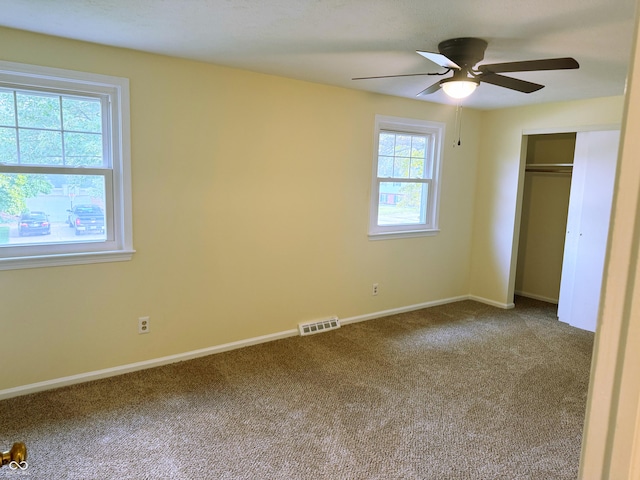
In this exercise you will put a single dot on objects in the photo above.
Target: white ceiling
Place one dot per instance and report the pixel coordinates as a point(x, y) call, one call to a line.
point(332, 41)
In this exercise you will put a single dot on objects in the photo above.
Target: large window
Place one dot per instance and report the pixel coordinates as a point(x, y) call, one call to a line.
point(406, 167)
point(65, 193)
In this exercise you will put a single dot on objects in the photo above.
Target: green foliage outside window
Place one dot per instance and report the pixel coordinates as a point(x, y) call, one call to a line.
point(16, 188)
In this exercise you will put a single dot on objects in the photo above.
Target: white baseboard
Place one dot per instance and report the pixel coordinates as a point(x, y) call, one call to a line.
point(132, 367)
point(157, 362)
point(537, 297)
point(506, 306)
point(395, 311)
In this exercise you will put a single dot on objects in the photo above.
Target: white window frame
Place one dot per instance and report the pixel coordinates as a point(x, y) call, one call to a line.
point(435, 133)
point(119, 242)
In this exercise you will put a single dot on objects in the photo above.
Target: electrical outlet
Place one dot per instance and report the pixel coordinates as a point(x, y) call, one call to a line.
point(143, 325)
point(374, 289)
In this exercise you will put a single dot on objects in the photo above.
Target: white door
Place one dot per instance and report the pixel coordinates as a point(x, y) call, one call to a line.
point(590, 201)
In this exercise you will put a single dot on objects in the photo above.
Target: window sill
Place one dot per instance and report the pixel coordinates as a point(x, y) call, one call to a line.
point(65, 259)
point(406, 234)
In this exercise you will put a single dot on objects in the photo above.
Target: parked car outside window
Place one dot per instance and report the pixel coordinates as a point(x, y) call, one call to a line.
point(86, 219)
point(32, 223)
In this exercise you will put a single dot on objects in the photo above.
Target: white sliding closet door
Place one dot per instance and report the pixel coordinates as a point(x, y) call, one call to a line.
point(590, 201)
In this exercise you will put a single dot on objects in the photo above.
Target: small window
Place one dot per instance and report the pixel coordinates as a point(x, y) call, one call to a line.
point(406, 169)
point(65, 194)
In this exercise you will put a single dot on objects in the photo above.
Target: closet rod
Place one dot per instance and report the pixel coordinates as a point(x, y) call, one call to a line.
point(549, 167)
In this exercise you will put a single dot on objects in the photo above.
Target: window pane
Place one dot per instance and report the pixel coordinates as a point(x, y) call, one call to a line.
point(417, 168)
point(36, 209)
point(40, 147)
point(403, 145)
point(401, 167)
point(82, 115)
point(7, 110)
point(386, 144)
point(403, 204)
point(419, 147)
point(385, 167)
point(8, 145)
point(38, 111)
point(83, 149)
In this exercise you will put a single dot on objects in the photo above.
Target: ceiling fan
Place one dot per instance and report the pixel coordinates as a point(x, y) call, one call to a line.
point(461, 55)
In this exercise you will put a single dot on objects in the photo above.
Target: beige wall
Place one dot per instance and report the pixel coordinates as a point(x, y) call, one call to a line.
point(542, 233)
point(250, 211)
point(500, 183)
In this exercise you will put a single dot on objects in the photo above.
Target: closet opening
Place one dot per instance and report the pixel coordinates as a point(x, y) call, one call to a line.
point(567, 193)
point(545, 205)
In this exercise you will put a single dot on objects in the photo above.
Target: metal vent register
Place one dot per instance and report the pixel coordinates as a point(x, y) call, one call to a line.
point(316, 327)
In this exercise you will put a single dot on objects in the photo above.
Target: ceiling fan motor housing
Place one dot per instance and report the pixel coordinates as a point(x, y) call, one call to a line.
point(465, 52)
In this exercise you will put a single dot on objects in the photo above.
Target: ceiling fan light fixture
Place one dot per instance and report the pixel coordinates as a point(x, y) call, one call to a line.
point(457, 88)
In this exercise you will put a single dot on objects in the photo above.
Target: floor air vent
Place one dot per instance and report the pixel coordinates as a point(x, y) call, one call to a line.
point(317, 327)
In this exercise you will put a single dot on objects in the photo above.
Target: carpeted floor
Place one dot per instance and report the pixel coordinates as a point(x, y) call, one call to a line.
point(460, 391)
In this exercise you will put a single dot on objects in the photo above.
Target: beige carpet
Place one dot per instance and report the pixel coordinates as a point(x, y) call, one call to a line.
point(462, 391)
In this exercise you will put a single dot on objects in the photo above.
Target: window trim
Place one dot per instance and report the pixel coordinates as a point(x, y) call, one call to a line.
point(436, 131)
point(120, 247)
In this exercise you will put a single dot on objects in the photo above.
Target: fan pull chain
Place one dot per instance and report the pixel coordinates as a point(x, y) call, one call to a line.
point(458, 125)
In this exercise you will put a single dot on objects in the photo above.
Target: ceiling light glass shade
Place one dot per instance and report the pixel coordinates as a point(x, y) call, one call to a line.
point(459, 88)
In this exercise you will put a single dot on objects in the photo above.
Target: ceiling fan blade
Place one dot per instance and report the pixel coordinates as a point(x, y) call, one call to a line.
point(439, 59)
point(432, 89)
point(393, 76)
point(566, 63)
point(509, 82)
